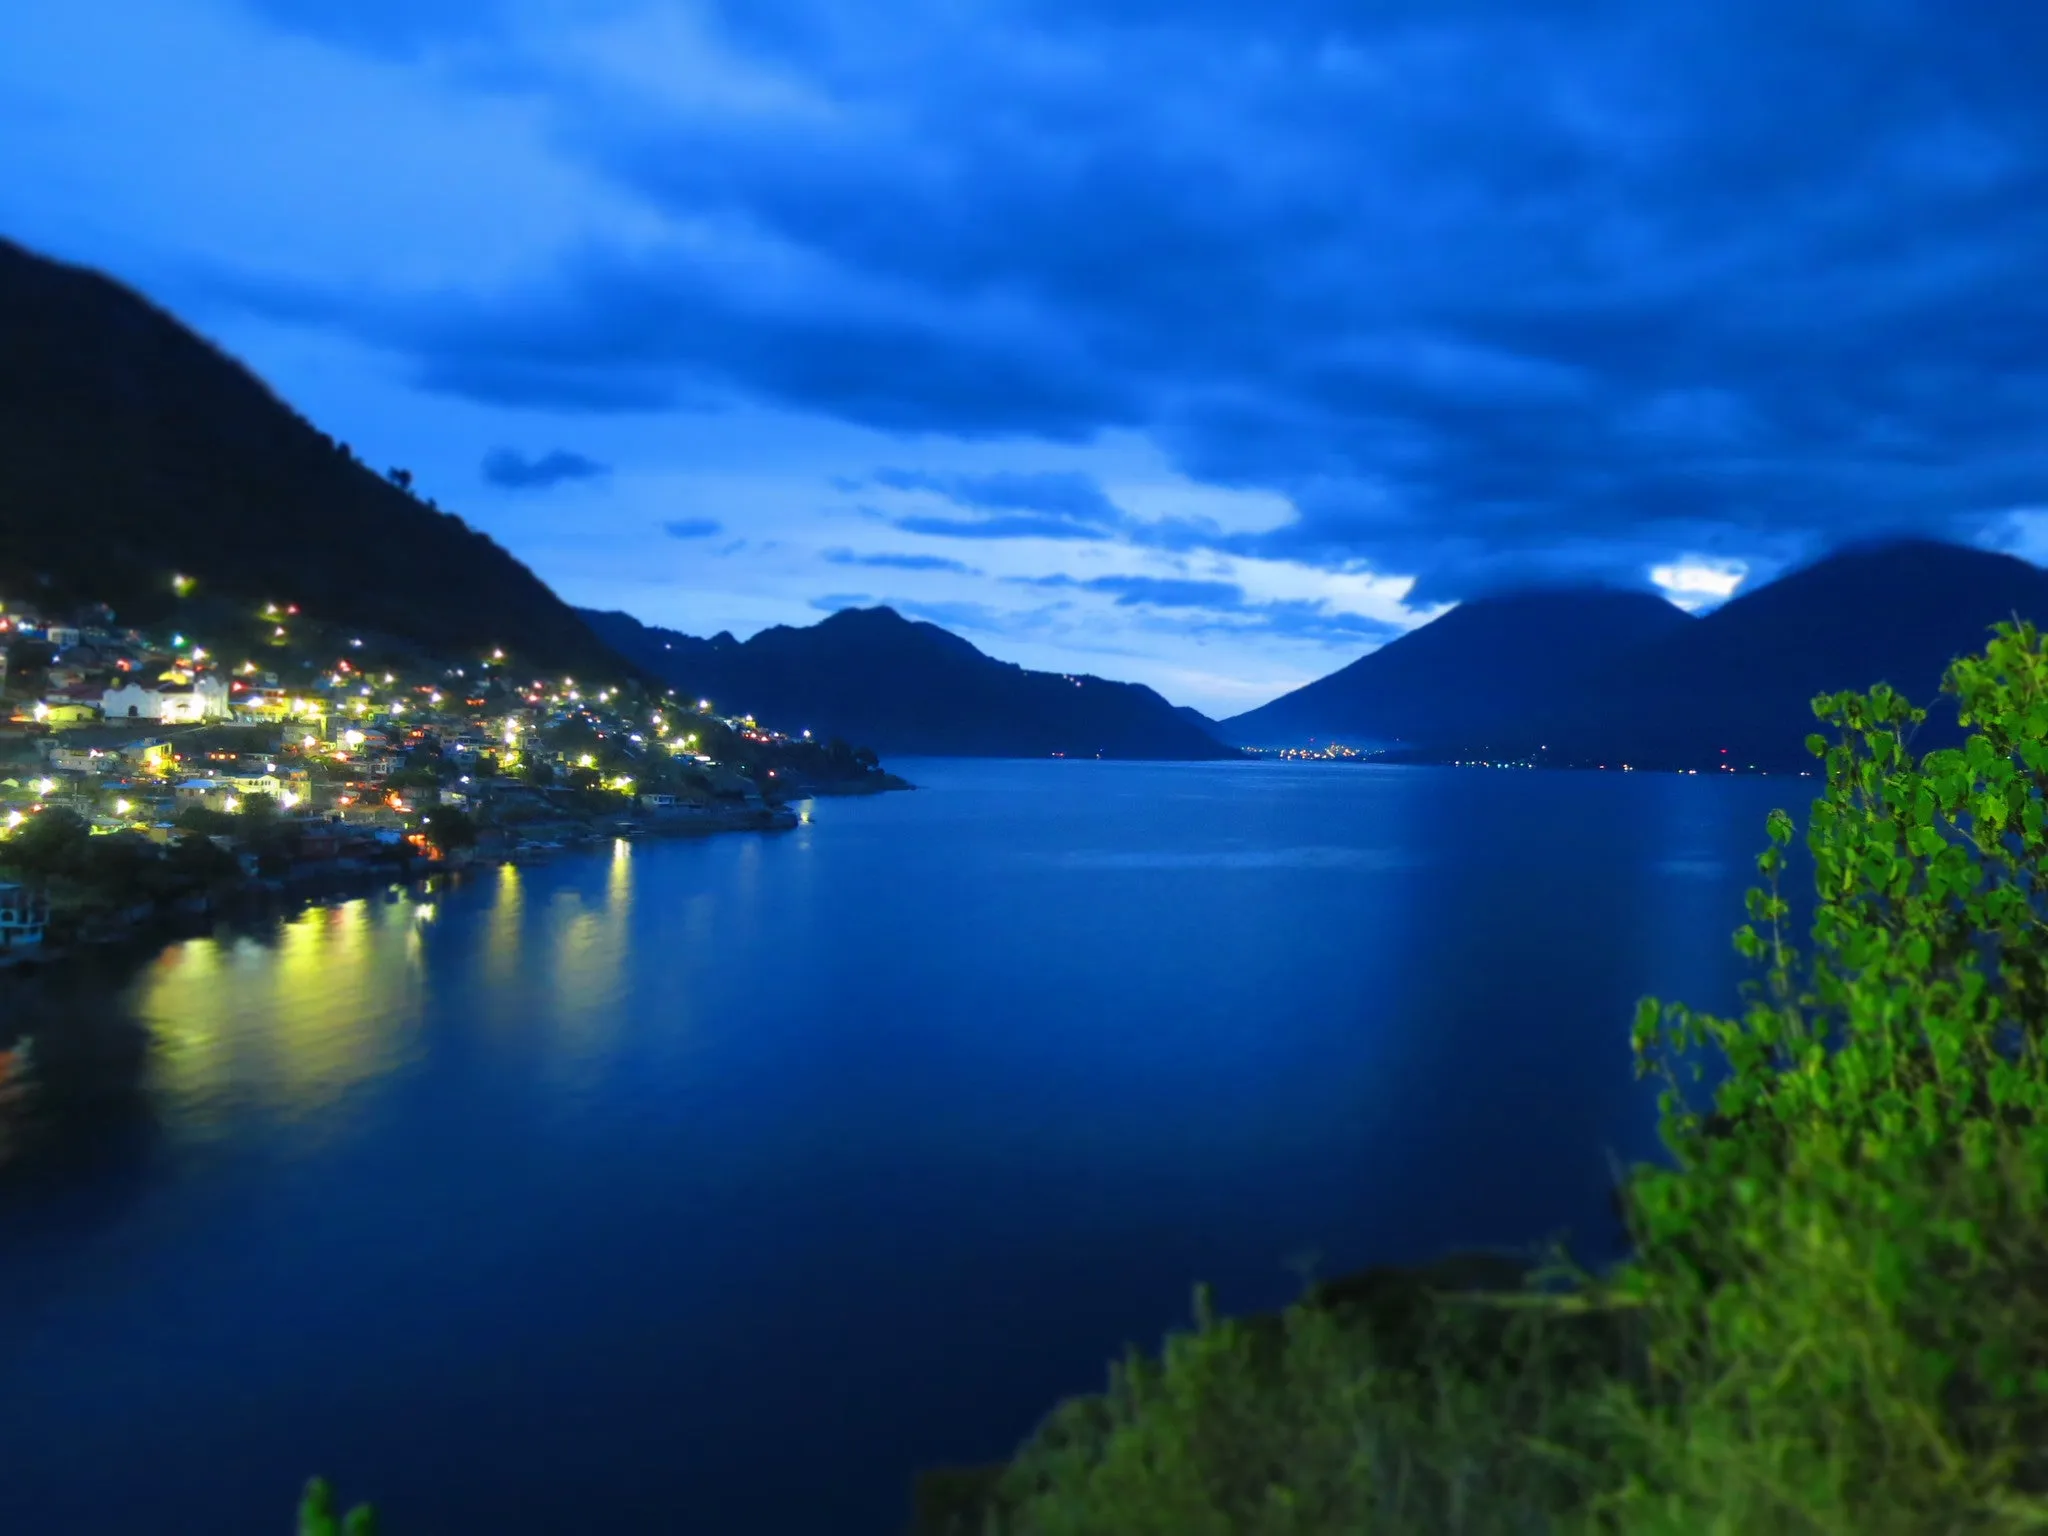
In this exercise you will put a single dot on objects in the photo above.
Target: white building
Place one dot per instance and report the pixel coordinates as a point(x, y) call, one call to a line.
point(204, 698)
point(23, 915)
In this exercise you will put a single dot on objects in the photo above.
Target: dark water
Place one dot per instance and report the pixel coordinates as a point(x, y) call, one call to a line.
point(713, 1187)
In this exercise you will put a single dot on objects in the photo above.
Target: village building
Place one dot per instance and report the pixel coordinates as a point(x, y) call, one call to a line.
point(204, 698)
point(23, 917)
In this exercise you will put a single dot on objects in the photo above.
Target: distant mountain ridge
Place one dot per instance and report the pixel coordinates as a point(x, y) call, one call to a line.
point(909, 688)
point(1596, 678)
point(1738, 685)
point(1460, 676)
point(132, 450)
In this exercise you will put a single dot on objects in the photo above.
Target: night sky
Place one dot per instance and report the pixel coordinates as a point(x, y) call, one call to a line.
point(1205, 343)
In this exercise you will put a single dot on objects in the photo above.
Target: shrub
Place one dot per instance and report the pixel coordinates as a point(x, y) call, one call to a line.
point(1835, 1318)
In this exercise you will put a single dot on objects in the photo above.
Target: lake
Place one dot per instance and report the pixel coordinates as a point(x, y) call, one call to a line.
point(716, 1186)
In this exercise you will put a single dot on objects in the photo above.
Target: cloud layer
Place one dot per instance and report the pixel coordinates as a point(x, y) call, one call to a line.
point(514, 471)
point(1474, 291)
point(1479, 286)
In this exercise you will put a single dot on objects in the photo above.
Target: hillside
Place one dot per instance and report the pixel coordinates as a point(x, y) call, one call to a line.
point(1737, 686)
point(131, 450)
point(909, 688)
point(1460, 677)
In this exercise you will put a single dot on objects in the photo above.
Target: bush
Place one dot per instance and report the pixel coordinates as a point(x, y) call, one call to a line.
point(1835, 1318)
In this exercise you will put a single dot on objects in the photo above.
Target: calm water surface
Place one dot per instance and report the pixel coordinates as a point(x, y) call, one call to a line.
point(715, 1186)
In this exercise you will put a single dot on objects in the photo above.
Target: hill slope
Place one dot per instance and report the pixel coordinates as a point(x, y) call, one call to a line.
point(131, 449)
point(902, 687)
point(1743, 678)
point(1459, 677)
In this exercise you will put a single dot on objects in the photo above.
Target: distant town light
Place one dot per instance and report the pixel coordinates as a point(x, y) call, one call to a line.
point(233, 804)
point(122, 807)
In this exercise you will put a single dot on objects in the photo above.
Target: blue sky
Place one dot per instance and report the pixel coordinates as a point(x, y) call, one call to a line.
point(1192, 341)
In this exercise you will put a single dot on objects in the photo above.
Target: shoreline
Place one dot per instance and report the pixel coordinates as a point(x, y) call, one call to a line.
point(138, 931)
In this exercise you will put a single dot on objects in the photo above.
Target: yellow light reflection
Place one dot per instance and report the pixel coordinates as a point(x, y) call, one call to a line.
point(288, 1028)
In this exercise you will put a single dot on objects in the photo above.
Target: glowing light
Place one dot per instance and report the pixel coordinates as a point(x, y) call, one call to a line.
point(586, 761)
point(703, 706)
point(352, 738)
point(309, 742)
point(233, 804)
point(44, 786)
point(181, 585)
point(122, 807)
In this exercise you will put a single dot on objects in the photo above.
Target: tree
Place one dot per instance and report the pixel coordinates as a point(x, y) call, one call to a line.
point(206, 821)
point(402, 478)
point(1867, 1195)
point(448, 827)
point(48, 843)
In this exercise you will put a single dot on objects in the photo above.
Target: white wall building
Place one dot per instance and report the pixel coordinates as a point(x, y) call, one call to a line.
point(204, 698)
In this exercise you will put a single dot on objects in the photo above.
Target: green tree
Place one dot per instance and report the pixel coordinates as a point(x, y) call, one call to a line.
point(448, 827)
point(47, 844)
point(317, 1515)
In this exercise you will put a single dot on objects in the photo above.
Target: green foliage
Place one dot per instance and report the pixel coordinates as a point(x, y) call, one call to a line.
point(317, 1516)
point(449, 827)
point(1835, 1319)
point(47, 844)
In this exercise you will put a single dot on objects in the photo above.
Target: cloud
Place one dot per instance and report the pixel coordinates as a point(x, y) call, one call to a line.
point(692, 527)
point(1478, 295)
point(1023, 525)
point(1221, 607)
point(898, 562)
point(832, 602)
point(508, 468)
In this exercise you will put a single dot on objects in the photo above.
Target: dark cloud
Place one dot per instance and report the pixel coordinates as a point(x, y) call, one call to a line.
point(693, 527)
point(1221, 607)
point(1482, 287)
point(897, 562)
point(1022, 525)
point(509, 468)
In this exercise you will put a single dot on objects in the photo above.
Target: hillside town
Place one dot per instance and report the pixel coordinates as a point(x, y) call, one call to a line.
point(144, 771)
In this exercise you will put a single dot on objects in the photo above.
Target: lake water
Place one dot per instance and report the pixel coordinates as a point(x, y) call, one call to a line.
point(713, 1187)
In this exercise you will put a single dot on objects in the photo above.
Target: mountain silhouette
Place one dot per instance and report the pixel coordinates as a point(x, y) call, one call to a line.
point(1462, 677)
point(1738, 685)
point(132, 451)
point(909, 688)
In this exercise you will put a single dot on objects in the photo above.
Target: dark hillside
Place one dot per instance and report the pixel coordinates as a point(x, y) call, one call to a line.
point(131, 450)
point(910, 688)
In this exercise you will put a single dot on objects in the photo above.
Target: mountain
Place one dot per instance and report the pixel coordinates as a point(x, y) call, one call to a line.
point(131, 450)
point(1459, 677)
point(1737, 686)
point(909, 688)
point(1199, 721)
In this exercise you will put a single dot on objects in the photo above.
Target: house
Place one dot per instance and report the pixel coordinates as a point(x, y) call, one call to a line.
point(61, 635)
point(23, 916)
point(97, 748)
point(659, 802)
point(58, 711)
point(204, 698)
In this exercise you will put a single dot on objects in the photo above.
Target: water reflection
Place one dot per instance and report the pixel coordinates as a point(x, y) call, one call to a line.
point(282, 1023)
